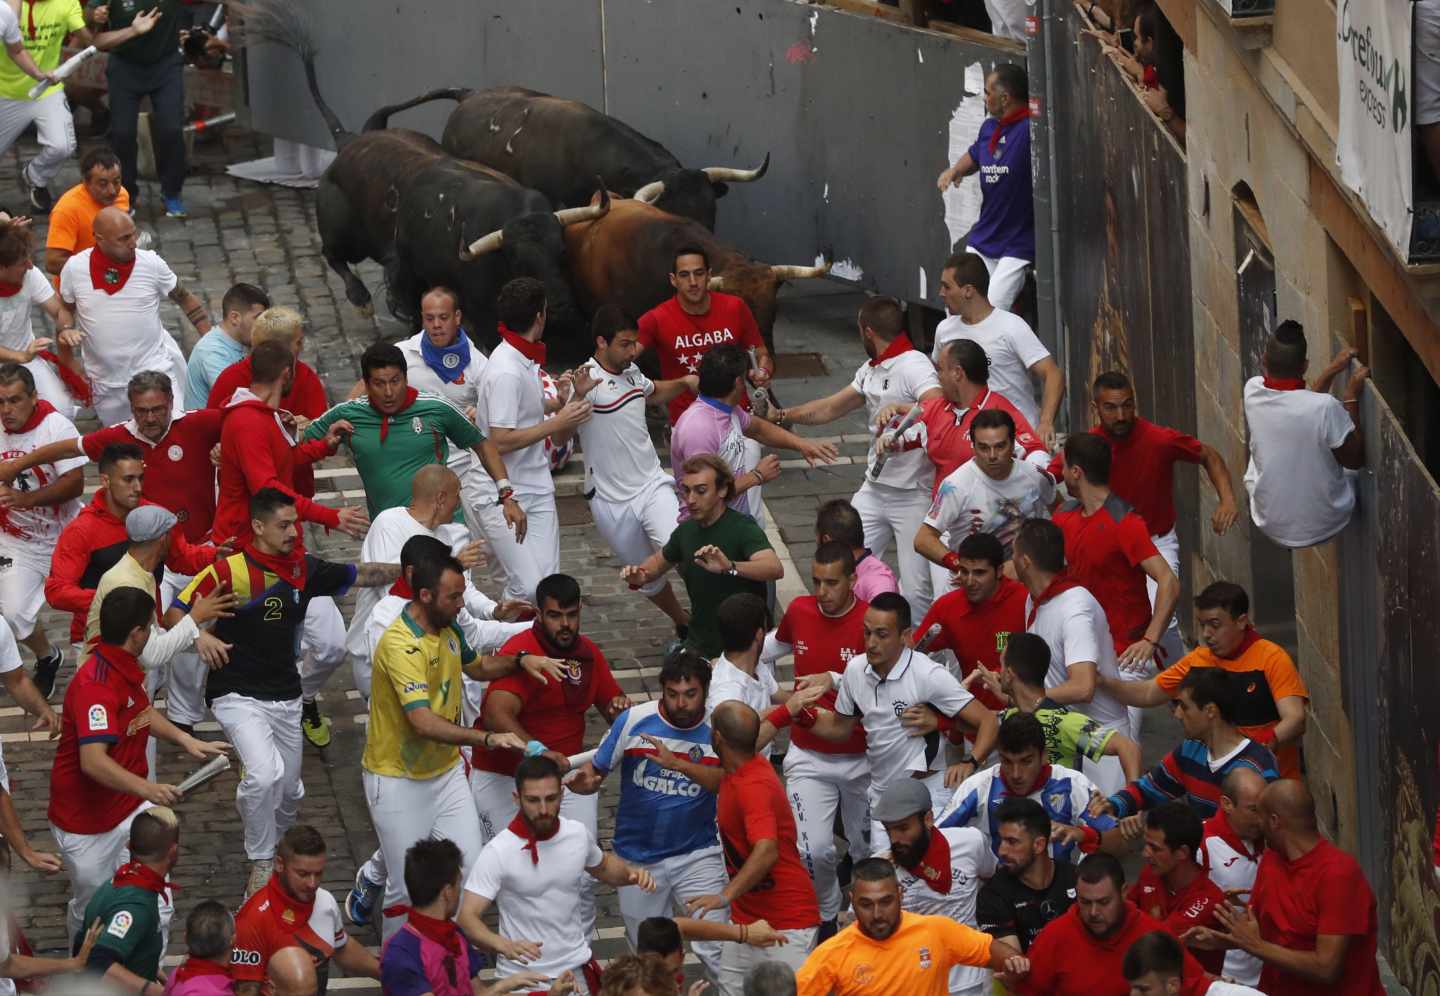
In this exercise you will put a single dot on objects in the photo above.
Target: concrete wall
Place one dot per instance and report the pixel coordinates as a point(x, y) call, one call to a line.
point(856, 112)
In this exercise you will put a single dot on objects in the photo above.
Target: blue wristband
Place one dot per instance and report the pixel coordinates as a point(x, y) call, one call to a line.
point(534, 749)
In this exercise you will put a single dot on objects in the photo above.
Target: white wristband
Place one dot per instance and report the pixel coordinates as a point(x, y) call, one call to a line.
point(503, 484)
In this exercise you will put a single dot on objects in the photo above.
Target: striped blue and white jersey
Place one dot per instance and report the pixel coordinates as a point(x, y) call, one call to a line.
point(620, 460)
point(1064, 793)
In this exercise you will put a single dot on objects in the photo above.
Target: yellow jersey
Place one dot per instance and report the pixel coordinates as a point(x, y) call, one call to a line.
point(915, 960)
point(414, 669)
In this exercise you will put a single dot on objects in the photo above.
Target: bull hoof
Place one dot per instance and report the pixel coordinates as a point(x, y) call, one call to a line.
point(366, 310)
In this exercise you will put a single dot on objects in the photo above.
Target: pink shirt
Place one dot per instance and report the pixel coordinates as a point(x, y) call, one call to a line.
point(710, 426)
point(873, 577)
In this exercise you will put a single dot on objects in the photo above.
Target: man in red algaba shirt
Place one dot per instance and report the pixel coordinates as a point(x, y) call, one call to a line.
point(99, 778)
point(1173, 888)
point(686, 327)
point(752, 811)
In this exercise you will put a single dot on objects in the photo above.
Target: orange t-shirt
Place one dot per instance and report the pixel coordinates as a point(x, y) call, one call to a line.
point(72, 219)
point(915, 960)
point(1264, 674)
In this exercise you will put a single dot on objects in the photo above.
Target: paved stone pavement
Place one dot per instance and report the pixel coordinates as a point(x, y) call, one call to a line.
point(239, 231)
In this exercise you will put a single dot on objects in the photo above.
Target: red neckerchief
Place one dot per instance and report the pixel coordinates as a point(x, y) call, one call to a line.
point(410, 395)
point(10, 290)
point(1150, 78)
point(1284, 383)
point(194, 967)
point(1246, 642)
point(900, 344)
point(77, 386)
point(442, 932)
point(140, 876)
point(291, 914)
point(121, 659)
point(1061, 582)
point(31, 21)
point(1019, 114)
point(288, 567)
point(520, 827)
point(533, 351)
point(1041, 780)
point(106, 274)
point(402, 588)
point(579, 677)
point(934, 866)
point(42, 408)
point(1219, 826)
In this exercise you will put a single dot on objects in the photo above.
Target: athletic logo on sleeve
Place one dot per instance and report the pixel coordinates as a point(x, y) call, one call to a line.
point(98, 718)
point(924, 958)
point(120, 923)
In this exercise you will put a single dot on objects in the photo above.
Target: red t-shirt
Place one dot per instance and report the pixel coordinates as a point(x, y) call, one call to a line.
point(1104, 552)
point(823, 643)
point(553, 713)
point(947, 432)
point(1324, 892)
point(178, 472)
point(752, 807)
point(977, 633)
point(104, 703)
point(1193, 906)
point(1067, 960)
point(682, 339)
point(307, 398)
point(271, 920)
point(1142, 469)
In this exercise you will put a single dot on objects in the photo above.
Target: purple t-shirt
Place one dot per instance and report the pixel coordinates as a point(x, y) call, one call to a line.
point(1006, 226)
point(411, 965)
point(711, 426)
point(873, 577)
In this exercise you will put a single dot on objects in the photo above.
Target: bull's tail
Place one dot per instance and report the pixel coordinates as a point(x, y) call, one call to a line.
point(287, 23)
point(381, 118)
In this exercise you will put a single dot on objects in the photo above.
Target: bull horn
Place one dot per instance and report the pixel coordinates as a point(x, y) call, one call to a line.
point(482, 245)
point(651, 192)
point(799, 272)
point(571, 216)
point(727, 174)
point(717, 283)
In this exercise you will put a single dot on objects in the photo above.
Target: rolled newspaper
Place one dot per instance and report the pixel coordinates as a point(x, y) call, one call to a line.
point(65, 69)
point(577, 761)
point(881, 455)
point(212, 768)
point(923, 644)
point(761, 400)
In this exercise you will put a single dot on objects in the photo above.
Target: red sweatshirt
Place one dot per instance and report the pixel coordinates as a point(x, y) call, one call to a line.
point(94, 542)
point(307, 399)
point(1067, 960)
point(255, 453)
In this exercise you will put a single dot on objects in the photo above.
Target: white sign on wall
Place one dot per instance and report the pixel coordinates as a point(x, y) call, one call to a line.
point(1373, 52)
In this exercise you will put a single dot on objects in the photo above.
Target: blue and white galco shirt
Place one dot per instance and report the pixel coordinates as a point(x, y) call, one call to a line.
point(1064, 794)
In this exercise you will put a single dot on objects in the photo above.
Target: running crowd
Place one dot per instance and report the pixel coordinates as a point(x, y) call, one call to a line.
point(962, 772)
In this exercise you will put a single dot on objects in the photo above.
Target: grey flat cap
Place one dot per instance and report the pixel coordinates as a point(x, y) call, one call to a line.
point(905, 797)
point(149, 522)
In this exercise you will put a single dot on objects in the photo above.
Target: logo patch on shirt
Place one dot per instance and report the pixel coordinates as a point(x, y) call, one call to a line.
point(697, 753)
point(417, 425)
point(451, 361)
point(175, 453)
point(98, 718)
point(120, 924)
point(244, 956)
point(454, 647)
point(924, 958)
point(412, 687)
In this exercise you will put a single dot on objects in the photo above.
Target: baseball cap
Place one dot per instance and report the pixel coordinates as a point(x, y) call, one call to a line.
point(149, 522)
point(905, 797)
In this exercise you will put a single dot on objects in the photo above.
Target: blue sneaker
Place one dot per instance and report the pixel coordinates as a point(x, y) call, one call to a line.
point(360, 903)
point(175, 208)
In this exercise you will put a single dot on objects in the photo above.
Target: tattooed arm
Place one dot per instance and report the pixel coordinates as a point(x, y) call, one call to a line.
point(193, 307)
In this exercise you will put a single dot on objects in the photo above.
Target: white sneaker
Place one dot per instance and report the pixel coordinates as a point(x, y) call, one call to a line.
point(260, 872)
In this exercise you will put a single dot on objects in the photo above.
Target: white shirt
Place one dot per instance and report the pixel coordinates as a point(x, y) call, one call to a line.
point(1299, 494)
point(1010, 346)
point(620, 460)
point(971, 862)
point(893, 753)
point(16, 331)
point(1007, 18)
point(39, 527)
point(1073, 624)
point(900, 380)
point(9, 661)
point(1232, 868)
point(970, 501)
point(123, 331)
point(511, 398)
point(464, 393)
point(538, 900)
point(729, 683)
point(10, 32)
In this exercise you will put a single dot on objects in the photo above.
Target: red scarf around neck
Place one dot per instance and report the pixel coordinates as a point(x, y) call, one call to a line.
point(289, 912)
point(934, 866)
point(1061, 582)
point(9, 289)
point(442, 932)
point(288, 567)
point(1219, 826)
point(106, 274)
point(30, 21)
point(1246, 642)
point(1284, 383)
point(42, 408)
point(533, 351)
point(195, 967)
point(900, 344)
point(1041, 780)
point(521, 828)
point(140, 876)
point(410, 395)
point(1019, 114)
point(402, 588)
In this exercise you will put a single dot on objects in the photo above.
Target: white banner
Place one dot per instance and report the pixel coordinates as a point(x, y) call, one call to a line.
point(1373, 52)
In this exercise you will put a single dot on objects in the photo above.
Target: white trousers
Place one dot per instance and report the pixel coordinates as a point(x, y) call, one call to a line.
point(184, 676)
point(91, 860)
point(526, 564)
point(322, 645)
point(819, 785)
point(54, 127)
point(637, 528)
point(1172, 647)
point(267, 737)
point(739, 959)
point(1007, 276)
point(678, 878)
point(111, 402)
point(405, 810)
point(893, 514)
point(23, 569)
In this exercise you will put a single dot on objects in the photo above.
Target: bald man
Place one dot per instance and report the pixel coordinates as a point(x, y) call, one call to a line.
point(1311, 918)
point(291, 972)
point(1230, 850)
point(114, 290)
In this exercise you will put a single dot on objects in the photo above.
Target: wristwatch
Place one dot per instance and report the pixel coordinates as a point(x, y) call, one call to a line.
point(734, 570)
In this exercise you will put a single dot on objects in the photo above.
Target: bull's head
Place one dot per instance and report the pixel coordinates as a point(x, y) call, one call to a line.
point(494, 241)
point(691, 193)
point(759, 285)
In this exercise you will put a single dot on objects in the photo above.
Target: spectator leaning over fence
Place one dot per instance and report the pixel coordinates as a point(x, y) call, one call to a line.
point(1004, 234)
point(73, 219)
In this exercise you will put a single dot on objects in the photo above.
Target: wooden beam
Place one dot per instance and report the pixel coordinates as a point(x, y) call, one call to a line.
point(880, 10)
point(1181, 15)
point(979, 37)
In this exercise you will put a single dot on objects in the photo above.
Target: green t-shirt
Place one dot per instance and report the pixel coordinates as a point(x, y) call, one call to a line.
point(415, 437)
point(132, 927)
point(51, 20)
point(1069, 735)
point(160, 43)
point(740, 538)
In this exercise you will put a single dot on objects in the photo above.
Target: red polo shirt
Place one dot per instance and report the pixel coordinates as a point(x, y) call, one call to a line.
point(977, 633)
point(1104, 552)
point(1323, 892)
point(178, 472)
point(824, 643)
point(104, 703)
point(1142, 469)
point(752, 807)
point(1193, 906)
point(947, 432)
point(1067, 960)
